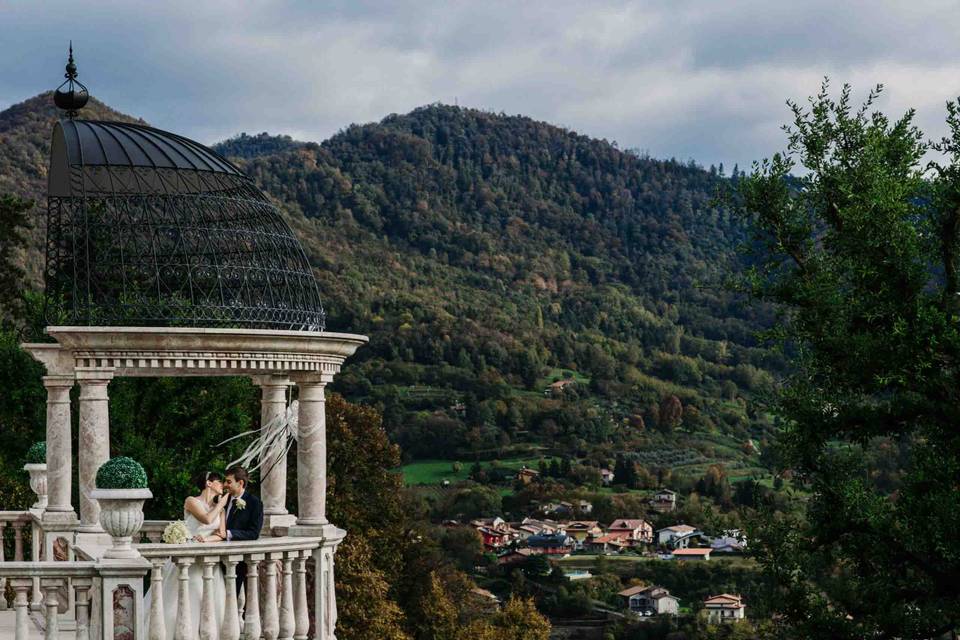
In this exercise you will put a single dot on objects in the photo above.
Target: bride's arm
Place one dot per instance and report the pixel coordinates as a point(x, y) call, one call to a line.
point(196, 508)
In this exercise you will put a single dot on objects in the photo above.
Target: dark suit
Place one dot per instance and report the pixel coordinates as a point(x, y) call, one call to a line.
point(244, 524)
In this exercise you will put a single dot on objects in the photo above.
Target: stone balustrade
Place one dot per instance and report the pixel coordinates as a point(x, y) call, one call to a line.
point(53, 577)
point(275, 603)
point(21, 531)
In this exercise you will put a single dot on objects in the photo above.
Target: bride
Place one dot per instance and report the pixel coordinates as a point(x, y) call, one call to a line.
point(203, 516)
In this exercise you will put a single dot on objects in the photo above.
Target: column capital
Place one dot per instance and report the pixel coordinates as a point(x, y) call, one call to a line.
point(272, 380)
point(58, 381)
point(311, 379)
point(56, 359)
point(90, 375)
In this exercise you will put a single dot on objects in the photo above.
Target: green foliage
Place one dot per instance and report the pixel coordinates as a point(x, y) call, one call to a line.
point(859, 252)
point(121, 473)
point(14, 225)
point(37, 453)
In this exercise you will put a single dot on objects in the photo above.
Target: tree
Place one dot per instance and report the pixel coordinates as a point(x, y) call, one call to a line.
point(13, 227)
point(358, 580)
point(436, 615)
point(857, 243)
point(518, 620)
point(671, 411)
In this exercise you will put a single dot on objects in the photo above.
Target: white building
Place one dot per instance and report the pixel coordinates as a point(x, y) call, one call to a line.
point(725, 608)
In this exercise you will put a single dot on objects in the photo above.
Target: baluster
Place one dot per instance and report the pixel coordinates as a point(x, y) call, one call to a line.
point(158, 623)
point(17, 542)
point(271, 620)
point(21, 587)
point(287, 620)
point(3, 581)
point(230, 628)
point(301, 612)
point(208, 620)
point(50, 587)
point(185, 629)
point(36, 543)
point(251, 612)
point(82, 587)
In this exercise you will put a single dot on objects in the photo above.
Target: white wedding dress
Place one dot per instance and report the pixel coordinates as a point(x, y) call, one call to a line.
point(171, 585)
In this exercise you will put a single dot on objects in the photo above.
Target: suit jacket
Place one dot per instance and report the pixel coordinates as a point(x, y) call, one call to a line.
point(246, 523)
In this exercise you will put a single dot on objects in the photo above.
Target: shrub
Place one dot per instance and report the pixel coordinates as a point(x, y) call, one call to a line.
point(37, 453)
point(121, 473)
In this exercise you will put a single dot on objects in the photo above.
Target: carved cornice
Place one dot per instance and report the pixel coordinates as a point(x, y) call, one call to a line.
point(149, 351)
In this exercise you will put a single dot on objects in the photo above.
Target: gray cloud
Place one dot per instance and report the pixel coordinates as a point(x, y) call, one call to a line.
point(683, 78)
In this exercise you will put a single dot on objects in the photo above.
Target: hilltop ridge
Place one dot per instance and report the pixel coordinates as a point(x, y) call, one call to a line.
point(486, 255)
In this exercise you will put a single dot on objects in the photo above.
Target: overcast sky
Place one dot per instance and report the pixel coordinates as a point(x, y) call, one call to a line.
point(704, 80)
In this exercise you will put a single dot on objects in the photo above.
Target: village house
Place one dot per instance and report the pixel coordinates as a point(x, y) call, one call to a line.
point(580, 530)
point(496, 532)
point(635, 531)
point(526, 475)
point(677, 536)
point(731, 541)
point(515, 556)
point(664, 501)
point(606, 477)
point(725, 608)
point(606, 544)
point(691, 554)
point(551, 544)
point(647, 601)
point(559, 386)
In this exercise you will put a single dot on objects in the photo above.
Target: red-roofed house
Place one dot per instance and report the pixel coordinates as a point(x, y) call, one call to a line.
point(725, 608)
point(631, 530)
point(606, 544)
point(691, 554)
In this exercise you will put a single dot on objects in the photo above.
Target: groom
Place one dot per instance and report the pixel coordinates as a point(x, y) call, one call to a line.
point(244, 513)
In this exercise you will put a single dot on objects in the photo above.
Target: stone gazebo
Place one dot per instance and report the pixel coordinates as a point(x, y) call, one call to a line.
point(163, 259)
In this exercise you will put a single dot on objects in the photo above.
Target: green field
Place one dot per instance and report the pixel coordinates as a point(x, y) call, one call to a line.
point(436, 471)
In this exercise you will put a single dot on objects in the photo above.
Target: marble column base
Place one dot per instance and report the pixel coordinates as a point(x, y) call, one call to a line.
point(277, 521)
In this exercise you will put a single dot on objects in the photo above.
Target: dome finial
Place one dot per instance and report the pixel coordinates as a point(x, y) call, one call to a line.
point(72, 95)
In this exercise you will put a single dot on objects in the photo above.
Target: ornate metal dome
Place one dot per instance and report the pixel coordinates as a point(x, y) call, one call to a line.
point(147, 228)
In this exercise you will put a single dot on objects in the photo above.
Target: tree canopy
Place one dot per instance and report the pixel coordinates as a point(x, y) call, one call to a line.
point(856, 242)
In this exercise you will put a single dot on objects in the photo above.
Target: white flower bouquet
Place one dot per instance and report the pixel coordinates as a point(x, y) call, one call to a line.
point(176, 533)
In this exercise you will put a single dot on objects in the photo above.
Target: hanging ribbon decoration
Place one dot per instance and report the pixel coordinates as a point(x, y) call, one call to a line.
point(271, 443)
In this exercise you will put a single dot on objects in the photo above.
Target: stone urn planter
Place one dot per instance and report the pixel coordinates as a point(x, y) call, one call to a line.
point(36, 466)
point(121, 491)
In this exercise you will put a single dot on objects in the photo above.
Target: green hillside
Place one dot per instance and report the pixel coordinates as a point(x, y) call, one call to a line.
point(485, 254)
point(488, 256)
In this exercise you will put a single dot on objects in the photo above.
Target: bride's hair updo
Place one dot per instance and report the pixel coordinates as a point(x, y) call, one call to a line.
point(201, 479)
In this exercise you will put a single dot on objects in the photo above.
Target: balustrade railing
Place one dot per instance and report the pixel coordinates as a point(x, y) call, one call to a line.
point(53, 578)
point(21, 538)
point(274, 604)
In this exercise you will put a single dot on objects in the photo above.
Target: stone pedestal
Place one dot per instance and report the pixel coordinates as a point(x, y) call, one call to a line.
point(121, 599)
point(312, 453)
point(94, 449)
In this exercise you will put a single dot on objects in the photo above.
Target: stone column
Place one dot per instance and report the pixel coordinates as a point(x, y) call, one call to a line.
point(59, 461)
point(312, 453)
point(94, 442)
point(273, 473)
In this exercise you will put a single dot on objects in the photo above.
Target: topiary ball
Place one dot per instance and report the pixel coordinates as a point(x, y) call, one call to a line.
point(37, 453)
point(121, 473)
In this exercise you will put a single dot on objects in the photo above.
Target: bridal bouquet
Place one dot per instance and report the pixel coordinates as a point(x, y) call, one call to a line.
point(176, 533)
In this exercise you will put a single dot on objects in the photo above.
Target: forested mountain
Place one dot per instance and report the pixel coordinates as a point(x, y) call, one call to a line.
point(489, 255)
